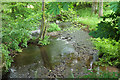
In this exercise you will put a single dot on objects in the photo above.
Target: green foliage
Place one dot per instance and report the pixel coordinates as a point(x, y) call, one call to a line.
point(107, 37)
point(86, 17)
point(20, 9)
point(55, 7)
point(80, 5)
point(60, 11)
point(16, 33)
point(109, 28)
point(18, 20)
point(6, 58)
point(53, 27)
point(67, 15)
point(64, 16)
point(108, 51)
point(16, 29)
point(115, 6)
point(45, 41)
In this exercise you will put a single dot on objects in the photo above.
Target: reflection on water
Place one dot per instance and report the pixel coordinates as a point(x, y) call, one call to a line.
point(30, 55)
point(47, 54)
point(46, 57)
point(39, 58)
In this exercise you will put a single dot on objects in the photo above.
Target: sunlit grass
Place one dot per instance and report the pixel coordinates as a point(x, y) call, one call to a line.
point(86, 17)
point(91, 21)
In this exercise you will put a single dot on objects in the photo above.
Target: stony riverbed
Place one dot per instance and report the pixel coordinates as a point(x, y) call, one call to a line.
point(69, 55)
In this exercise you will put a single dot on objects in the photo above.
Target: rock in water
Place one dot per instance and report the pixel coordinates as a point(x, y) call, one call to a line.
point(35, 33)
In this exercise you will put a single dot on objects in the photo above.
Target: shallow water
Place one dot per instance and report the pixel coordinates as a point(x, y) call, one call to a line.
point(58, 59)
point(34, 57)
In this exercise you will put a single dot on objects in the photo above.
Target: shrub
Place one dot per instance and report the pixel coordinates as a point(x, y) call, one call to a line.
point(63, 16)
point(110, 26)
point(45, 41)
point(6, 58)
point(17, 23)
point(108, 51)
point(53, 27)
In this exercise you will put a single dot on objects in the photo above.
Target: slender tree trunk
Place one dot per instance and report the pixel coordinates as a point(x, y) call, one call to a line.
point(46, 58)
point(43, 27)
point(101, 8)
point(12, 7)
point(94, 6)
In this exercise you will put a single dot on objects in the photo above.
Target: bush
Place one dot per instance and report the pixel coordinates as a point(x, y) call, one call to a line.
point(15, 36)
point(108, 51)
point(108, 40)
point(67, 15)
point(110, 26)
point(53, 27)
point(6, 59)
point(63, 16)
point(45, 41)
point(17, 22)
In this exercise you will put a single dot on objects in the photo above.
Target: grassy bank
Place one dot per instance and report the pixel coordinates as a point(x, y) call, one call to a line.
point(86, 17)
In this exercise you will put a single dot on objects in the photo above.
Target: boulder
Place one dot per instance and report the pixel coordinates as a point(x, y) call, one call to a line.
point(35, 33)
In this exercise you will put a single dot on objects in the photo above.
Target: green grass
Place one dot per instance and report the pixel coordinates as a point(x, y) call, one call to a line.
point(90, 21)
point(86, 17)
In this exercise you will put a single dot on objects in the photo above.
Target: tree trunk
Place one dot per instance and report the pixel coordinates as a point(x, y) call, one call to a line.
point(46, 58)
point(94, 6)
point(43, 27)
point(101, 8)
point(12, 7)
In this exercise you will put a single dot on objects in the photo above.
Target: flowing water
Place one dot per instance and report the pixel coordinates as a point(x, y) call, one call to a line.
point(34, 57)
point(61, 58)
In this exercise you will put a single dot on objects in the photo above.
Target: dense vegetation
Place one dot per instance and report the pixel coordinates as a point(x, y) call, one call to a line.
point(20, 18)
point(108, 37)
